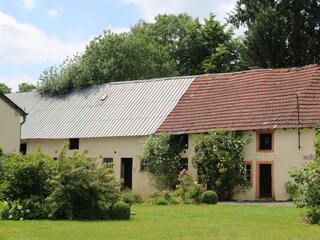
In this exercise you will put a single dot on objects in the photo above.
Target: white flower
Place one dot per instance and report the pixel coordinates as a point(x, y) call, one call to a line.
point(21, 218)
point(19, 207)
point(10, 216)
point(28, 210)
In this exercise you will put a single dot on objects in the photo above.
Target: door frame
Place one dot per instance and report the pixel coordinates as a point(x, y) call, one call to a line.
point(122, 171)
point(258, 163)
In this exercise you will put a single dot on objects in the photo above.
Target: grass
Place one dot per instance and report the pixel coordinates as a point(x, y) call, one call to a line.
point(176, 222)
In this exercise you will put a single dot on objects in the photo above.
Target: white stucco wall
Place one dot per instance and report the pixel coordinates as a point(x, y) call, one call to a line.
point(114, 147)
point(285, 155)
point(9, 128)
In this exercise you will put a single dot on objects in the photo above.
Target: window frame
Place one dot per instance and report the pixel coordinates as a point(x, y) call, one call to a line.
point(74, 143)
point(258, 138)
point(250, 163)
point(183, 164)
point(108, 161)
point(143, 165)
point(23, 150)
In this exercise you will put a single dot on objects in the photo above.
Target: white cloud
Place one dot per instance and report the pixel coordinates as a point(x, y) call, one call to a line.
point(195, 8)
point(23, 43)
point(29, 4)
point(12, 81)
point(53, 12)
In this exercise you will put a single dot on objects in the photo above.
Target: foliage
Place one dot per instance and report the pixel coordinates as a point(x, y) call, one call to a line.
point(292, 189)
point(280, 33)
point(80, 189)
point(161, 153)
point(169, 196)
point(219, 160)
point(161, 201)
point(188, 189)
point(308, 180)
point(1, 152)
point(172, 45)
point(26, 87)
point(4, 88)
point(34, 186)
point(130, 197)
point(120, 211)
point(210, 197)
point(23, 176)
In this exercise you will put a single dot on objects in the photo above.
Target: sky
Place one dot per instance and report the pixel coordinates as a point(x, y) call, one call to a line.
point(37, 34)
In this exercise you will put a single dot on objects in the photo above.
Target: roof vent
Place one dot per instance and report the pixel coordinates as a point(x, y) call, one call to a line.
point(103, 97)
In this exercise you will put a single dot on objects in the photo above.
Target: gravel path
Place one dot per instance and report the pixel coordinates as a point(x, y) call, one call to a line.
point(257, 203)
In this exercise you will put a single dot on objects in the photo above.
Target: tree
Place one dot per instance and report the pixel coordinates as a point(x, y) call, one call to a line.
point(196, 48)
point(4, 88)
point(108, 58)
point(26, 87)
point(219, 160)
point(161, 154)
point(172, 45)
point(280, 33)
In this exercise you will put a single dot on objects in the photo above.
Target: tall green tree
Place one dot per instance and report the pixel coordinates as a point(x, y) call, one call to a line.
point(26, 87)
point(4, 88)
point(280, 33)
point(108, 58)
point(172, 45)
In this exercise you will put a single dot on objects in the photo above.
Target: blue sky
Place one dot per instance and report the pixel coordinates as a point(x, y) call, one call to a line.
point(36, 34)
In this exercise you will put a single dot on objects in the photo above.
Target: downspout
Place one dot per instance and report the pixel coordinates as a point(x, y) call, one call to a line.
point(298, 123)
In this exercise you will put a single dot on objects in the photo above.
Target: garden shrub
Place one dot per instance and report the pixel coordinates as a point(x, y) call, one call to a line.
point(291, 189)
point(161, 153)
point(34, 186)
point(80, 189)
point(188, 189)
point(307, 179)
point(219, 160)
point(23, 176)
point(161, 201)
point(210, 197)
point(130, 197)
point(120, 211)
point(167, 195)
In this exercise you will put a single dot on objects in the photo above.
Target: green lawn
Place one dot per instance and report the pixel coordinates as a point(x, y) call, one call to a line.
point(176, 222)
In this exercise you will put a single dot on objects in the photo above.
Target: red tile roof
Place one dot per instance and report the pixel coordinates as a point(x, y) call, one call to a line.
point(250, 100)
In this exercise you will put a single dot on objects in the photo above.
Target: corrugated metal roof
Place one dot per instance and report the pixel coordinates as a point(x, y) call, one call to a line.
point(133, 108)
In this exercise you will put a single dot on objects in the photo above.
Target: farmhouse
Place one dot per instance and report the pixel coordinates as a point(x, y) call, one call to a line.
point(277, 108)
point(10, 124)
point(109, 120)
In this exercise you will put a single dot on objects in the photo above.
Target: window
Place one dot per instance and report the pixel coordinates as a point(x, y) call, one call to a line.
point(23, 148)
point(143, 165)
point(108, 161)
point(73, 143)
point(265, 141)
point(248, 169)
point(183, 138)
point(184, 163)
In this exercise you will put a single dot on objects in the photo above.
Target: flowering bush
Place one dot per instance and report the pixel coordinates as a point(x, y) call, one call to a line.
point(307, 179)
point(188, 189)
